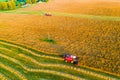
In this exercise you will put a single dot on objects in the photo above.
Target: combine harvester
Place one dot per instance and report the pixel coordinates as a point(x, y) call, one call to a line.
point(46, 14)
point(70, 59)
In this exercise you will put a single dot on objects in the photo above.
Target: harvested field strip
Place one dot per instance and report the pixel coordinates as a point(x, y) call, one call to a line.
point(39, 70)
point(89, 73)
point(26, 73)
point(78, 69)
point(21, 77)
point(52, 65)
point(57, 67)
point(9, 49)
point(15, 53)
point(3, 77)
point(94, 17)
point(7, 74)
point(12, 65)
point(32, 49)
point(27, 50)
point(56, 73)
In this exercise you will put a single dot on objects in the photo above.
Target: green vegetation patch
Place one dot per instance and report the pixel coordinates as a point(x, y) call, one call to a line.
point(48, 40)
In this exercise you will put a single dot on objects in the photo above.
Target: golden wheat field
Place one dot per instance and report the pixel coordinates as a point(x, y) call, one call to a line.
point(92, 7)
point(96, 42)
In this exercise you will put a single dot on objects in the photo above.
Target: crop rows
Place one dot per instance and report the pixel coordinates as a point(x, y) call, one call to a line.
point(35, 70)
point(10, 55)
point(3, 77)
point(13, 71)
point(53, 65)
point(32, 52)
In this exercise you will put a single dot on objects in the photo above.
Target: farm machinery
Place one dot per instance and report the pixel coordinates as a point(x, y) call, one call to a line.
point(70, 59)
point(46, 14)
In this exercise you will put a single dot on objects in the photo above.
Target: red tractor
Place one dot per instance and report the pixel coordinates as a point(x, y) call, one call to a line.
point(46, 14)
point(71, 59)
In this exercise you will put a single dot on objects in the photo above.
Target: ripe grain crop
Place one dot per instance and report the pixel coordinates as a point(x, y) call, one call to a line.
point(92, 40)
point(92, 7)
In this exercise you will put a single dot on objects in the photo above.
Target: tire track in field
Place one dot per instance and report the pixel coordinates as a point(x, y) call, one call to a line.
point(81, 70)
point(38, 70)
